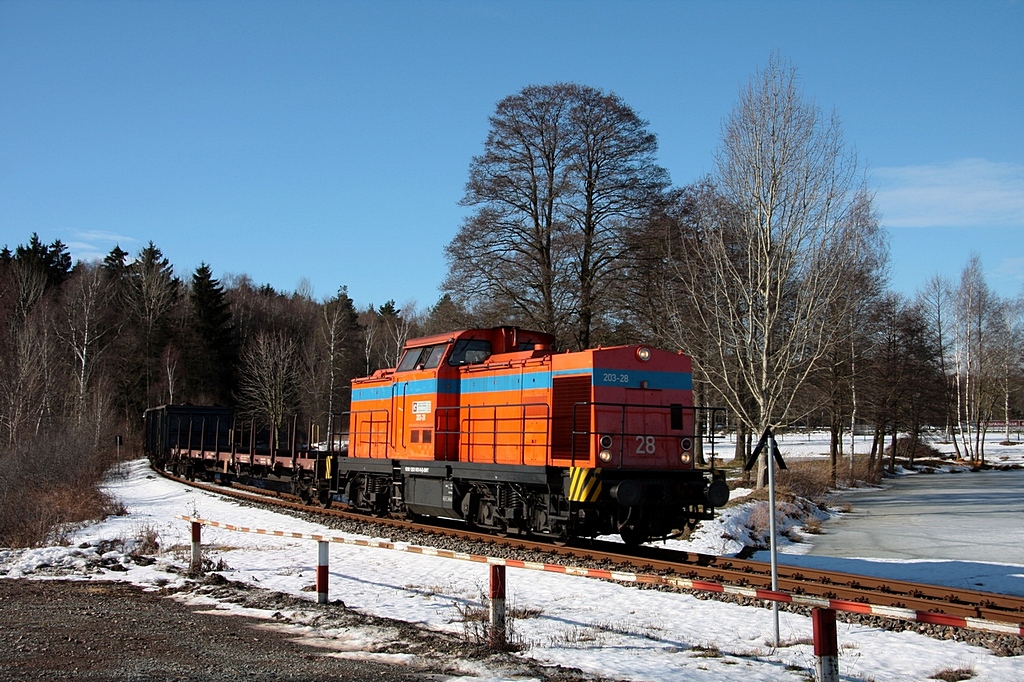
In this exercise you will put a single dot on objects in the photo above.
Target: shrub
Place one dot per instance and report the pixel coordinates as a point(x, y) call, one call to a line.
point(47, 482)
point(922, 451)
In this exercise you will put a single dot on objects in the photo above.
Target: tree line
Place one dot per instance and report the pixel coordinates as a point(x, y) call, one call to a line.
point(771, 272)
point(94, 345)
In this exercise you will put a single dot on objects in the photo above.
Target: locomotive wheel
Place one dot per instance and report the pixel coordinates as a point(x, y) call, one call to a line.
point(634, 536)
point(636, 529)
point(356, 498)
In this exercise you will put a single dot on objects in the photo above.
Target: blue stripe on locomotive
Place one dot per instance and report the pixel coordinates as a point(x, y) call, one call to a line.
point(676, 381)
point(680, 381)
point(406, 388)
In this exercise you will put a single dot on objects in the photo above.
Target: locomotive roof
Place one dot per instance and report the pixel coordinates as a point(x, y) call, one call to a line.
point(491, 333)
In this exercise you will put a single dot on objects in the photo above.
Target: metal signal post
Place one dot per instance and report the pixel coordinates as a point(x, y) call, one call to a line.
point(768, 438)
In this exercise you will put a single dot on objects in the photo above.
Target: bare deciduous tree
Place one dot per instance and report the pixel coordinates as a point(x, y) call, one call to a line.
point(150, 291)
point(976, 381)
point(1009, 352)
point(268, 377)
point(771, 279)
point(81, 327)
point(23, 380)
point(332, 359)
point(565, 169)
point(937, 302)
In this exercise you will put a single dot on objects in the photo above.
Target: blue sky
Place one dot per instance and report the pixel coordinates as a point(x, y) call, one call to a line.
point(331, 140)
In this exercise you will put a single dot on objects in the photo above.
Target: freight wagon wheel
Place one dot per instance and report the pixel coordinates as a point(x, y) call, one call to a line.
point(302, 489)
point(324, 499)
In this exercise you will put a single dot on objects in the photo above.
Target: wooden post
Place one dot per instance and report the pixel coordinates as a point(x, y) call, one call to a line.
point(826, 648)
point(323, 552)
point(497, 598)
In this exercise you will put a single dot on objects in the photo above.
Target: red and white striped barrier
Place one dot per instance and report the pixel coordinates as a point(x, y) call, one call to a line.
point(197, 553)
point(826, 645)
point(497, 606)
point(322, 570)
point(894, 612)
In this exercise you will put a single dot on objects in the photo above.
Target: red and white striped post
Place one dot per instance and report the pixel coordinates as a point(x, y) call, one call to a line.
point(322, 554)
point(497, 598)
point(826, 648)
point(197, 552)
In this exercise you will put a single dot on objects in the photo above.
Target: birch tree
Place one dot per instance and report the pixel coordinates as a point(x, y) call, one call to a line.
point(937, 301)
point(150, 291)
point(772, 271)
point(82, 327)
point(1008, 346)
point(973, 355)
point(333, 358)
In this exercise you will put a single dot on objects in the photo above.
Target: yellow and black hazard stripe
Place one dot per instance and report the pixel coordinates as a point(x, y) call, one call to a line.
point(584, 484)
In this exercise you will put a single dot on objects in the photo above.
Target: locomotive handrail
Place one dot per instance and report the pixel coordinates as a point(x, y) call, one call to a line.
point(467, 433)
point(371, 442)
point(396, 429)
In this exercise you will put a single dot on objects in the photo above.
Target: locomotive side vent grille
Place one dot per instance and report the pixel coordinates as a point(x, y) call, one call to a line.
point(565, 393)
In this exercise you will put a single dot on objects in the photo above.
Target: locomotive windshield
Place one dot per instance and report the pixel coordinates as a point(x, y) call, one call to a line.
point(427, 357)
point(470, 352)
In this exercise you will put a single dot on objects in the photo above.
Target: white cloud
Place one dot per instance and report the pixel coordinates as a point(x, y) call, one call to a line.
point(964, 193)
point(1010, 271)
point(94, 245)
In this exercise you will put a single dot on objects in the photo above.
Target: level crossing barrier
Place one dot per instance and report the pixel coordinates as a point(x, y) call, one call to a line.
point(823, 609)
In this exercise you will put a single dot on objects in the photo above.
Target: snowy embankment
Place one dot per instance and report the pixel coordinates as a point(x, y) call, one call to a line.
point(603, 628)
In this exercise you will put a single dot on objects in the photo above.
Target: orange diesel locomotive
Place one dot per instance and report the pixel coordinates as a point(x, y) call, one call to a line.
point(491, 426)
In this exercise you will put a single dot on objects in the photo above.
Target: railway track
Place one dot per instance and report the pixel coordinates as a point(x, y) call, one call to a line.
point(707, 569)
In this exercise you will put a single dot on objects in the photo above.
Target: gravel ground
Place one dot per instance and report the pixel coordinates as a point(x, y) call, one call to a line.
point(98, 630)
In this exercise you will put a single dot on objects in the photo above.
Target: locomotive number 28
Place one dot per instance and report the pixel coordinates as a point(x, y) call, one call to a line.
point(645, 445)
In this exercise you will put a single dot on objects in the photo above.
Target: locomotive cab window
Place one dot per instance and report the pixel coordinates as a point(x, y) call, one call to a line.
point(427, 357)
point(470, 352)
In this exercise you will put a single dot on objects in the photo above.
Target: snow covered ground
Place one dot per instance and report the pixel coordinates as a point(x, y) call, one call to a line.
point(813, 444)
point(604, 628)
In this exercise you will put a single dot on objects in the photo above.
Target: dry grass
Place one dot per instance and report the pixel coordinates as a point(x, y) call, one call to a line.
point(476, 625)
point(706, 651)
point(953, 674)
point(812, 527)
point(811, 479)
point(147, 541)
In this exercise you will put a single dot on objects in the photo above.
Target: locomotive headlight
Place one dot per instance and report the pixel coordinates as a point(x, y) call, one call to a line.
point(606, 442)
point(686, 444)
point(605, 455)
point(686, 458)
point(643, 353)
